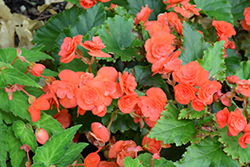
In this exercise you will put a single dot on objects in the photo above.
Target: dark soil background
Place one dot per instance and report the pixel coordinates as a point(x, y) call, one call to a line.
point(29, 8)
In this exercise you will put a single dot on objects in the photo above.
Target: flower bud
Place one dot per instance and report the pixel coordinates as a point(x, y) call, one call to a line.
point(41, 135)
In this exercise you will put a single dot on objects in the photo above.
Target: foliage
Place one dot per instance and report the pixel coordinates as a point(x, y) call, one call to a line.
point(97, 79)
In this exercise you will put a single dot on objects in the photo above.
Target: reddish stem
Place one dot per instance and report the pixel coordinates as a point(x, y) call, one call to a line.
point(14, 60)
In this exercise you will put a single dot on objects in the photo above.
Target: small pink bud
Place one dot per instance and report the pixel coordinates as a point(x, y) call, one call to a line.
point(41, 135)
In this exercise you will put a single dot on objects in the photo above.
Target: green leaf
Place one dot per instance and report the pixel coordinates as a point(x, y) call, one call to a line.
point(163, 162)
point(55, 148)
point(8, 117)
point(207, 153)
point(48, 123)
point(34, 55)
point(193, 43)
point(3, 142)
point(48, 34)
point(238, 7)
point(121, 122)
point(232, 62)
point(13, 76)
point(73, 151)
point(25, 133)
point(119, 37)
point(244, 71)
point(129, 162)
point(190, 113)
point(16, 154)
point(8, 55)
point(147, 157)
point(4, 100)
point(91, 18)
point(19, 105)
point(38, 165)
point(171, 130)
point(216, 9)
point(233, 148)
point(213, 61)
point(143, 77)
point(156, 5)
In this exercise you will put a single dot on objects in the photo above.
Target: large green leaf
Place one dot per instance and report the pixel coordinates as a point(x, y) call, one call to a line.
point(143, 76)
point(48, 123)
point(116, 34)
point(238, 7)
point(216, 9)
point(244, 71)
point(16, 154)
point(55, 148)
point(190, 113)
point(8, 117)
point(25, 133)
point(3, 142)
point(48, 34)
point(193, 43)
point(19, 105)
point(156, 5)
point(213, 61)
point(233, 148)
point(146, 161)
point(129, 162)
point(13, 76)
point(232, 62)
point(207, 153)
point(171, 130)
point(4, 105)
point(73, 151)
point(120, 122)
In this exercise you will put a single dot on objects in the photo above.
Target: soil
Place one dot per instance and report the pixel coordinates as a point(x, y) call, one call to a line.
point(29, 8)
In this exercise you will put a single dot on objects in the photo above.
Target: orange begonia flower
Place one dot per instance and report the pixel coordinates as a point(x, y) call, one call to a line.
point(84, 77)
point(236, 122)
point(171, 19)
point(95, 47)
point(122, 149)
point(36, 69)
point(168, 64)
point(153, 104)
point(151, 145)
point(127, 83)
point(172, 3)
point(187, 9)
point(246, 21)
point(222, 117)
point(68, 48)
point(67, 88)
point(243, 87)
point(223, 28)
point(198, 104)
point(41, 103)
point(63, 117)
point(41, 135)
point(100, 131)
point(154, 26)
point(127, 103)
point(160, 45)
point(107, 164)
point(87, 3)
point(191, 73)
point(206, 91)
point(143, 15)
point(184, 93)
point(92, 160)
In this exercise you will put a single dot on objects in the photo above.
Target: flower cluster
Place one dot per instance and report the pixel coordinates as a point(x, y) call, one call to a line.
point(236, 123)
point(190, 77)
point(224, 30)
point(83, 90)
point(246, 21)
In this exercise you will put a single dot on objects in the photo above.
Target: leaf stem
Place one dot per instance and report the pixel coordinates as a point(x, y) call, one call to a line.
point(111, 119)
